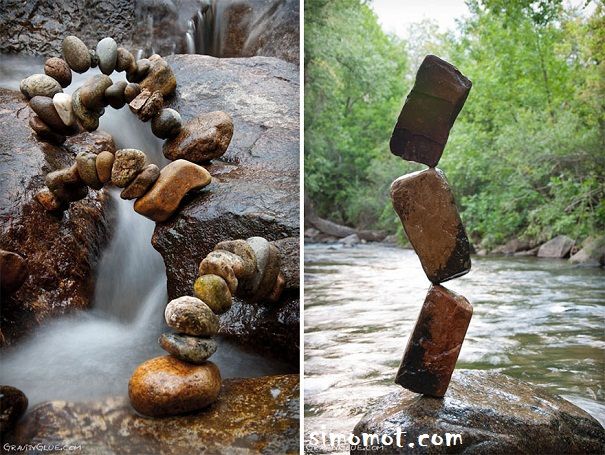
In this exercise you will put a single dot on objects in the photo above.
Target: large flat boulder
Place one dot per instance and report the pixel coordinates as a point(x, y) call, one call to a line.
point(259, 415)
point(60, 251)
point(557, 248)
point(493, 414)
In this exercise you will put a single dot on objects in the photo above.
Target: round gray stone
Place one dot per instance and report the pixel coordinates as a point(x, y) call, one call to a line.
point(188, 348)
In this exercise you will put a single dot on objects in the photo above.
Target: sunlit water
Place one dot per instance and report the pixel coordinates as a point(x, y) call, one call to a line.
point(93, 353)
point(542, 321)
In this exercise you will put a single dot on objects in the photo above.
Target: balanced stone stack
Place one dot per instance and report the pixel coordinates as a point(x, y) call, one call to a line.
point(185, 380)
point(425, 204)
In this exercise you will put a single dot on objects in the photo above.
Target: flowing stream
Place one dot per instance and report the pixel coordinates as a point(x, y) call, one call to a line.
point(538, 320)
point(91, 354)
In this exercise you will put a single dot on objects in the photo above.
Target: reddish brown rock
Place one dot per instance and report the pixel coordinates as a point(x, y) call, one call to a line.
point(44, 132)
point(429, 111)
point(59, 70)
point(13, 271)
point(146, 105)
point(104, 164)
point(167, 386)
point(48, 200)
point(45, 108)
point(13, 404)
point(141, 182)
point(160, 77)
point(434, 345)
point(425, 204)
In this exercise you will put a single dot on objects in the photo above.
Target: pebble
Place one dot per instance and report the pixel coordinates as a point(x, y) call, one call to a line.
point(190, 316)
point(114, 94)
point(131, 91)
point(146, 105)
point(187, 348)
point(141, 182)
point(104, 164)
point(44, 132)
point(66, 184)
point(225, 264)
point(59, 70)
point(92, 92)
point(12, 406)
point(94, 58)
point(138, 72)
point(87, 168)
point(39, 85)
point(242, 249)
point(107, 51)
point(127, 164)
point(14, 271)
point(267, 268)
point(166, 124)
point(44, 107)
point(88, 119)
point(63, 106)
point(214, 292)
point(76, 54)
point(48, 200)
point(166, 386)
point(176, 180)
point(160, 77)
point(125, 61)
point(278, 288)
point(202, 139)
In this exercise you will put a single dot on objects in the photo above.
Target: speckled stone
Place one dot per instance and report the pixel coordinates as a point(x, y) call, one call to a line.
point(125, 61)
point(166, 124)
point(187, 348)
point(214, 292)
point(141, 183)
point(59, 70)
point(218, 263)
point(190, 316)
point(87, 169)
point(127, 164)
point(104, 165)
point(63, 106)
point(45, 109)
point(92, 92)
point(107, 51)
point(242, 249)
point(39, 85)
point(76, 54)
point(48, 200)
point(87, 118)
point(114, 94)
point(131, 92)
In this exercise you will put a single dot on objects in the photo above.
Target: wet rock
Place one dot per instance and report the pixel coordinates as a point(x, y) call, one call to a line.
point(166, 124)
point(107, 52)
point(214, 292)
point(141, 183)
point(556, 248)
point(45, 108)
point(125, 60)
point(87, 118)
point(267, 267)
point(176, 180)
point(64, 253)
point(139, 71)
point(104, 165)
point(190, 316)
point(592, 253)
point(13, 271)
point(159, 77)
point(131, 92)
point(13, 404)
point(433, 347)
point(48, 200)
point(76, 54)
point(94, 58)
point(240, 267)
point(63, 105)
point(127, 164)
point(187, 348)
point(278, 288)
point(87, 169)
point(44, 132)
point(244, 251)
point(92, 92)
point(511, 247)
point(425, 204)
point(491, 412)
point(167, 386)
point(201, 139)
point(146, 105)
point(258, 415)
point(114, 95)
point(217, 264)
point(39, 85)
point(59, 70)
point(430, 111)
point(289, 259)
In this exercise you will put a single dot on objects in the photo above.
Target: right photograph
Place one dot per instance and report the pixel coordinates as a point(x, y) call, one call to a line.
point(454, 226)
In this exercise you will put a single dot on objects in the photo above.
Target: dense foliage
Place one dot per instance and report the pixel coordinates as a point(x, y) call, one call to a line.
point(526, 157)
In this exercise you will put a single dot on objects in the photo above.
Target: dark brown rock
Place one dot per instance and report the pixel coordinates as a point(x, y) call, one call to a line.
point(131, 92)
point(49, 201)
point(66, 184)
point(146, 105)
point(289, 257)
point(159, 77)
point(59, 70)
point(88, 119)
point(92, 92)
point(76, 54)
point(13, 404)
point(141, 183)
point(492, 413)
point(13, 271)
point(139, 71)
point(44, 132)
point(114, 94)
point(187, 348)
point(44, 107)
point(166, 124)
point(433, 347)
point(425, 204)
point(125, 61)
point(430, 111)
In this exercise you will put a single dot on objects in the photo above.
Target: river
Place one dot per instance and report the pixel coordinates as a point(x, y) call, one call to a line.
point(539, 320)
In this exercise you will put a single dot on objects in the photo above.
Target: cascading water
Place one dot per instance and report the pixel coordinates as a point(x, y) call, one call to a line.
point(91, 354)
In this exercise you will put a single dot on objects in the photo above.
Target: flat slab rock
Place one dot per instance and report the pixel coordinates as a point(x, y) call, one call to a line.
point(250, 416)
point(493, 413)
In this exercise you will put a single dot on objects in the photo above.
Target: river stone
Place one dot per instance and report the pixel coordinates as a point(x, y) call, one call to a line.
point(166, 386)
point(146, 105)
point(92, 92)
point(242, 249)
point(45, 108)
point(240, 267)
point(433, 347)
point(556, 248)
point(187, 348)
point(278, 288)
point(63, 105)
point(190, 316)
point(107, 52)
point(114, 94)
point(104, 165)
point(59, 70)
point(131, 92)
point(66, 184)
point(127, 164)
point(141, 182)
point(425, 204)
point(44, 132)
point(166, 124)
point(13, 271)
point(289, 260)
point(94, 58)
point(87, 168)
point(214, 292)
point(492, 412)
point(125, 60)
point(592, 253)
point(160, 77)
point(139, 71)
point(267, 268)
point(176, 180)
point(48, 200)
point(39, 85)
point(219, 264)
point(202, 139)
point(13, 404)
point(76, 54)
point(87, 118)
point(430, 111)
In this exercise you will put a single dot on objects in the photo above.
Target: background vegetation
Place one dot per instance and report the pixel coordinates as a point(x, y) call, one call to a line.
point(526, 157)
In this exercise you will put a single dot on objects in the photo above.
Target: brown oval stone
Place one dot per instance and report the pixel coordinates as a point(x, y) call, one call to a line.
point(39, 85)
point(244, 251)
point(14, 271)
point(88, 119)
point(92, 92)
point(104, 164)
point(45, 108)
point(59, 70)
point(44, 132)
point(223, 264)
point(167, 386)
point(160, 77)
point(114, 94)
point(48, 200)
point(76, 54)
point(138, 72)
point(176, 180)
point(125, 60)
point(141, 182)
point(131, 92)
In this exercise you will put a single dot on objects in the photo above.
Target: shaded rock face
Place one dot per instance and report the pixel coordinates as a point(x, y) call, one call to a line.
point(60, 257)
point(259, 415)
point(493, 413)
point(255, 186)
point(592, 253)
point(559, 247)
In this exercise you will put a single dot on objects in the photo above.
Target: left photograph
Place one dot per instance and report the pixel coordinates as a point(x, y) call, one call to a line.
point(149, 227)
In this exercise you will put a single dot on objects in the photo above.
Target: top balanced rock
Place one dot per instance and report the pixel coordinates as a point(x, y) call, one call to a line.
point(429, 112)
